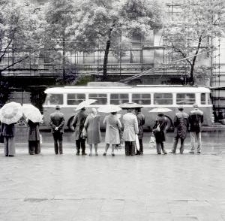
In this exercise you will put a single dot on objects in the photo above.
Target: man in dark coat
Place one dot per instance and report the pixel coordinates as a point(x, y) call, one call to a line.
point(195, 120)
point(33, 138)
point(181, 123)
point(159, 130)
point(141, 122)
point(57, 122)
point(77, 125)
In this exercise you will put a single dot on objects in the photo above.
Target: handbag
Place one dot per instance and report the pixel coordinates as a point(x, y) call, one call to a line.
point(84, 134)
point(152, 142)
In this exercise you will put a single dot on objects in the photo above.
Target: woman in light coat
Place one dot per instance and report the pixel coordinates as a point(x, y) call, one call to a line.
point(130, 124)
point(112, 135)
point(92, 128)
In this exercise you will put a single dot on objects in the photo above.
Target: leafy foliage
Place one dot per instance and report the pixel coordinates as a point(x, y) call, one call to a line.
point(189, 33)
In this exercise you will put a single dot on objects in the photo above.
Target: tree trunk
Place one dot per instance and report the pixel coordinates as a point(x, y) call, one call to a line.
point(64, 58)
point(105, 64)
point(106, 55)
point(194, 61)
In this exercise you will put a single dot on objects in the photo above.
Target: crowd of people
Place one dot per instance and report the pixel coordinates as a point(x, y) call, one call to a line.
point(127, 129)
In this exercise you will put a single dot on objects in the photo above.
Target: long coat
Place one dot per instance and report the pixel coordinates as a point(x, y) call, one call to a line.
point(8, 131)
point(113, 126)
point(33, 134)
point(141, 122)
point(130, 124)
point(160, 135)
point(181, 123)
point(78, 124)
point(92, 126)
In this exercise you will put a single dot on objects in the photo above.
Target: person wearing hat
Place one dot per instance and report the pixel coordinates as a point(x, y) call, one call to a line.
point(159, 130)
point(195, 120)
point(141, 122)
point(112, 134)
point(57, 122)
point(130, 124)
point(77, 126)
point(92, 129)
point(181, 123)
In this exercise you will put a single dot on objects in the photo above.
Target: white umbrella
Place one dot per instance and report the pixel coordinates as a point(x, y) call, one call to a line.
point(32, 113)
point(160, 110)
point(11, 113)
point(85, 103)
point(109, 108)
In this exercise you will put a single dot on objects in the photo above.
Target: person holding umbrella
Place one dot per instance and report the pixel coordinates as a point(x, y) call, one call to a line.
point(92, 129)
point(159, 130)
point(141, 122)
point(9, 115)
point(77, 125)
point(131, 130)
point(57, 122)
point(113, 127)
point(34, 118)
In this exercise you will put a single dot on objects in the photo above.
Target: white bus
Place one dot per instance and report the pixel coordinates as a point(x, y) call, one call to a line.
point(149, 96)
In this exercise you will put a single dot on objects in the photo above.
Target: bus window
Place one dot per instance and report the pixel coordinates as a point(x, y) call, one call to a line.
point(73, 99)
point(55, 99)
point(163, 98)
point(141, 98)
point(101, 98)
point(185, 98)
point(119, 98)
point(203, 98)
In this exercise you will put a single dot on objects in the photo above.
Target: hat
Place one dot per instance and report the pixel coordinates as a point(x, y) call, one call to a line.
point(181, 107)
point(195, 105)
point(57, 107)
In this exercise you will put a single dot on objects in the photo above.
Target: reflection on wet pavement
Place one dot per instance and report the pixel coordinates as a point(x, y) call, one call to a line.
point(212, 142)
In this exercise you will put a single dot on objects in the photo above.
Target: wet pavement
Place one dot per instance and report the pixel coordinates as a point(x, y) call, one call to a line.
point(82, 188)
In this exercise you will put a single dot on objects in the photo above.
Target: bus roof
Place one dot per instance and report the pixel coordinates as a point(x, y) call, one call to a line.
point(127, 89)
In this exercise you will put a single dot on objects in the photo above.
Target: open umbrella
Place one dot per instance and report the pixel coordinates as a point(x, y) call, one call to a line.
point(32, 113)
point(109, 108)
point(160, 110)
point(130, 105)
point(11, 113)
point(85, 103)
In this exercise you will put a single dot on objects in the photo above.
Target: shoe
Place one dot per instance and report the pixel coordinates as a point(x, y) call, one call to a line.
point(90, 154)
point(198, 152)
point(113, 155)
point(191, 152)
point(83, 154)
point(158, 153)
point(164, 153)
point(172, 152)
point(181, 152)
point(96, 154)
point(77, 153)
point(104, 154)
point(11, 155)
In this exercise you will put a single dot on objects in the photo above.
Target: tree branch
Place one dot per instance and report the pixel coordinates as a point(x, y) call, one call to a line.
point(4, 52)
point(14, 63)
point(182, 53)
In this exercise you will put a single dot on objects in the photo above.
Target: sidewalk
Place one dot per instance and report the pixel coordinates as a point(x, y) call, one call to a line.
point(82, 188)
